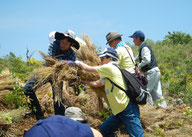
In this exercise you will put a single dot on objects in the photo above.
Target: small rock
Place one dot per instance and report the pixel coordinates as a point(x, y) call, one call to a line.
point(178, 102)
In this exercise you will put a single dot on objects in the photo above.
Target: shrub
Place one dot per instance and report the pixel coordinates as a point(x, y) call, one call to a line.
point(178, 38)
point(18, 67)
point(16, 98)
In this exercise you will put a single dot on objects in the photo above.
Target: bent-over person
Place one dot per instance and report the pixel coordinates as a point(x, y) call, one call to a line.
point(124, 112)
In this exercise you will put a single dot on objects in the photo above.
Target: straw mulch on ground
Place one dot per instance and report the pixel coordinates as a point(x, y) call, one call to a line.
point(7, 116)
point(6, 83)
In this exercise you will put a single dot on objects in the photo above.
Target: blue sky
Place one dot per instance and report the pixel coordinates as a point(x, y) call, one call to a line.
point(27, 23)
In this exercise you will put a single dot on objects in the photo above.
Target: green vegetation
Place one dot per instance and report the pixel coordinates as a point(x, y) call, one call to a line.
point(175, 62)
point(158, 131)
point(178, 38)
point(17, 66)
point(19, 69)
point(188, 114)
point(105, 114)
point(16, 98)
point(173, 56)
point(12, 116)
point(6, 118)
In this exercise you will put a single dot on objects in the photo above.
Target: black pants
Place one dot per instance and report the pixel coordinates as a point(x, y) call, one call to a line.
point(58, 108)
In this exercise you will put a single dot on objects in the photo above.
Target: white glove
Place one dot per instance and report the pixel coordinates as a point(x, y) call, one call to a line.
point(78, 62)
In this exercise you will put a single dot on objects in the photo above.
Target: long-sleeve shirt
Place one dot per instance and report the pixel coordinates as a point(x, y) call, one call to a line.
point(55, 51)
point(146, 57)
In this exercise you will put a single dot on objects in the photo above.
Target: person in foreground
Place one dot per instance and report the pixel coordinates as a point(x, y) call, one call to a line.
point(124, 112)
point(148, 65)
point(70, 125)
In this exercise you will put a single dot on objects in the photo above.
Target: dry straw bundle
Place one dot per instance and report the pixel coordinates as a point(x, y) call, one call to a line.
point(6, 81)
point(57, 73)
point(89, 56)
point(62, 76)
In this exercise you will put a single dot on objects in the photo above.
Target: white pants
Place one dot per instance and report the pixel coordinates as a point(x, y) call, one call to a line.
point(154, 86)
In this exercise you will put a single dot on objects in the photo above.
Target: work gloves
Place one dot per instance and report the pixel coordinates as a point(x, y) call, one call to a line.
point(71, 63)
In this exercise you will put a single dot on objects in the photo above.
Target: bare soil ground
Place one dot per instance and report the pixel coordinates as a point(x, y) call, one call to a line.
point(174, 121)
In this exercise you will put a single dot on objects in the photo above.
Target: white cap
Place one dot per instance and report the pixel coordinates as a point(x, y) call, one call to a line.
point(74, 113)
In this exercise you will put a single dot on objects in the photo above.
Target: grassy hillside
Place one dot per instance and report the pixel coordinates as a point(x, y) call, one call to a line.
point(175, 63)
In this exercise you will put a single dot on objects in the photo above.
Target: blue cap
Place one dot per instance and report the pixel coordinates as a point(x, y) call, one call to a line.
point(108, 52)
point(138, 34)
point(59, 126)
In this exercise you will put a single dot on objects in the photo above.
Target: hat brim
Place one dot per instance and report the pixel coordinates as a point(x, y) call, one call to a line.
point(117, 36)
point(85, 121)
point(76, 43)
point(131, 36)
point(101, 55)
point(77, 119)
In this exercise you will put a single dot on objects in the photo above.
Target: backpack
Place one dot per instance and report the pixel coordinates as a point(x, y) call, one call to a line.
point(136, 91)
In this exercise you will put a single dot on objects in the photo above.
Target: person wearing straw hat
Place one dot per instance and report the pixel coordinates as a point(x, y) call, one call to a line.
point(124, 52)
point(124, 112)
point(60, 48)
point(148, 65)
point(70, 125)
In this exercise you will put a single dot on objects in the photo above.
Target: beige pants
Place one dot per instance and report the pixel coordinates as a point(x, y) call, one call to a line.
point(154, 86)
